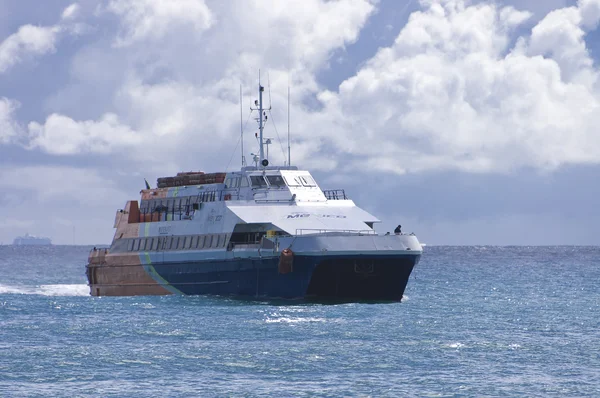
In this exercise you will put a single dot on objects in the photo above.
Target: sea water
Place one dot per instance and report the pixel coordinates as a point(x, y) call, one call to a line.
point(475, 321)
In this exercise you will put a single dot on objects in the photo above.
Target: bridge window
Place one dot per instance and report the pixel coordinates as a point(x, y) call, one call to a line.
point(258, 181)
point(276, 181)
point(300, 181)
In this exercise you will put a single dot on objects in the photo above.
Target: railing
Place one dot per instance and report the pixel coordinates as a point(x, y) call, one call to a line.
point(310, 231)
point(152, 212)
point(335, 194)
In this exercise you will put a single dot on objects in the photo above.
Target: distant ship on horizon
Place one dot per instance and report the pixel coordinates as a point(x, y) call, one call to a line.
point(31, 240)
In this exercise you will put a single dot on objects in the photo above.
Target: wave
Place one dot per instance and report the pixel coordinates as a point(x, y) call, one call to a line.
point(47, 290)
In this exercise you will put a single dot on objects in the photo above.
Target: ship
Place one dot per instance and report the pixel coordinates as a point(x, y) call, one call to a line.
point(30, 240)
point(263, 232)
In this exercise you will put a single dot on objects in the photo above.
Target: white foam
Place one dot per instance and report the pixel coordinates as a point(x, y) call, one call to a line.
point(47, 290)
point(293, 320)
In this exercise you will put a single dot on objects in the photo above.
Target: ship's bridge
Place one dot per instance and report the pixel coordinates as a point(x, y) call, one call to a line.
point(277, 185)
point(284, 185)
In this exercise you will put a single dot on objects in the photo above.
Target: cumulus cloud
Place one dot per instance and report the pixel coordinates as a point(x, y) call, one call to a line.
point(451, 93)
point(590, 13)
point(62, 135)
point(173, 88)
point(462, 86)
point(8, 126)
point(30, 40)
point(70, 12)
point(152, 19)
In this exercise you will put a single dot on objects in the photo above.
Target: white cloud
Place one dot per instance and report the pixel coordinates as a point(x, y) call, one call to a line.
point(451, 94)
point(178, 89)
point(29, 40)
point(590, 13)
point(537, 7)
point(152, 19)
point(70, 12)
point(62, 135)
point(460, 88)
point(8, 126)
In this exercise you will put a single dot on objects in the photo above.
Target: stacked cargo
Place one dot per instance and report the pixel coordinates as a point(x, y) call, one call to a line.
point(190, 178)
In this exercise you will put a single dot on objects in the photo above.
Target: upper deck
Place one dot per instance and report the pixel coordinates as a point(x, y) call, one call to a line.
point(287, 200)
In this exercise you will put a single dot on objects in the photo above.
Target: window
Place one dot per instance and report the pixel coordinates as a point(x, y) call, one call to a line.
point(208, 241)
point(215, 241)
point(130, 244)
point(292, 182)
point(244, 182)
point(194, 243)
point(188, 242)
point(276, 181)
point(136, 245)
point(201, 239)
point(307, 181)
point(180, 243)
point(258, 181)
point(156, 244)
point(300, 181)
point(173, 243)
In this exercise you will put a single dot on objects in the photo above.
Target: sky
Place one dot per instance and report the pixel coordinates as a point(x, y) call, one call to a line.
point(468, 122)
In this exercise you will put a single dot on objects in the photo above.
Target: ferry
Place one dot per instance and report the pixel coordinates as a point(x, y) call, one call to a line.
point(30, 240)
point(263, 232)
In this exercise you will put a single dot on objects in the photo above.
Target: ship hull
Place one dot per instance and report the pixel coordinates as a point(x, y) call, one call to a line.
point(344, 277)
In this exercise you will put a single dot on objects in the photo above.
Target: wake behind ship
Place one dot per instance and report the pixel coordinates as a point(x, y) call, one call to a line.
point(264, 231)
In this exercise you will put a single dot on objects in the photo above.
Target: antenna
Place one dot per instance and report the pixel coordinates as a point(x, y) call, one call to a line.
point(269, 84)
point(289, 150)
point(242, 128)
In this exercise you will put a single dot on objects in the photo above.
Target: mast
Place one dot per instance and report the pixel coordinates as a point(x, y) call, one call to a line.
point(289, 150)
point(242, 127)
point(260, 120)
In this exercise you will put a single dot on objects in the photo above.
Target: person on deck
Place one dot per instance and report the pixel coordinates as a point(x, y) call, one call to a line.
point(398, 230)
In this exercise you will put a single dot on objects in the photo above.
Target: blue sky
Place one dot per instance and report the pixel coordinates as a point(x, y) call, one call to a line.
point(467, 122)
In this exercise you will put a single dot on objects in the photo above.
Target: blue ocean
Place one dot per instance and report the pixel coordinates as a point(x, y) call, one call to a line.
point(474, 322)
